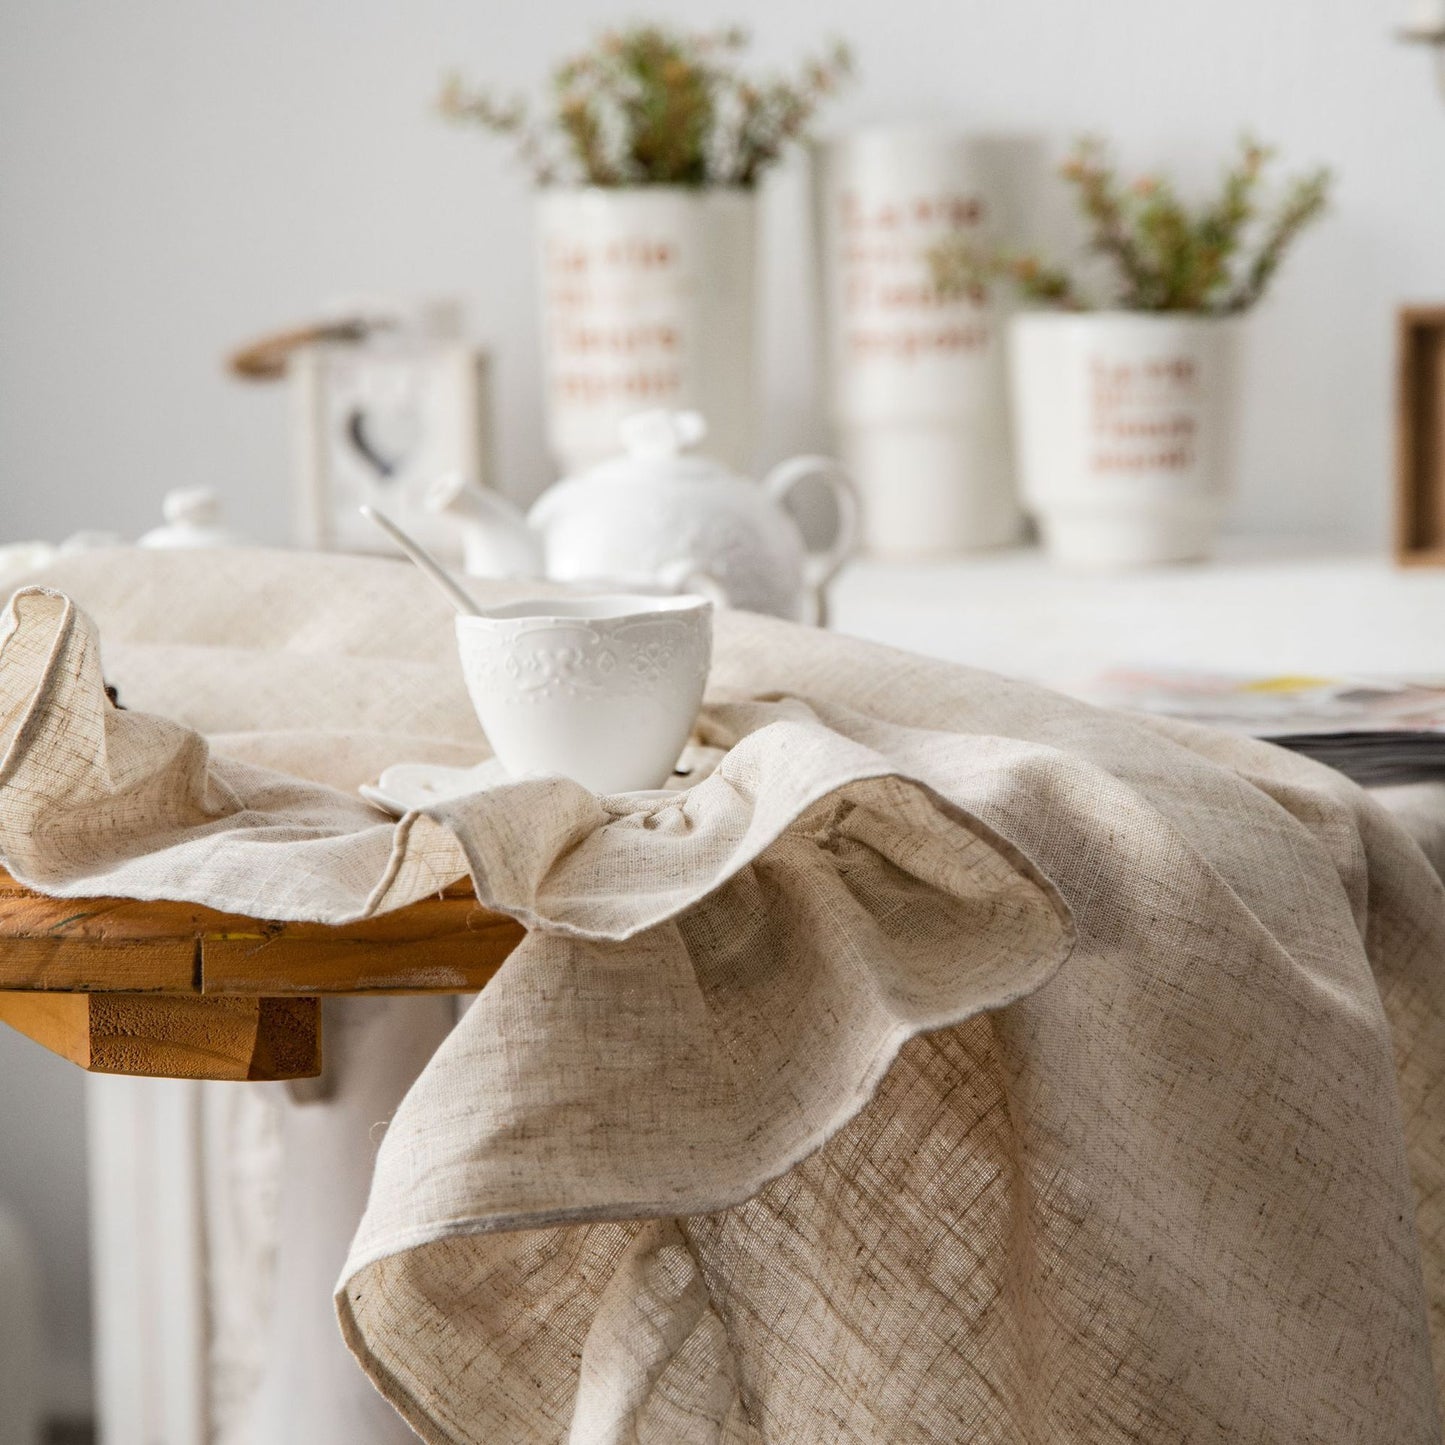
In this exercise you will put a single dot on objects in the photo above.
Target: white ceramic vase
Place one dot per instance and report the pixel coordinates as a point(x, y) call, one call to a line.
point(648, 301)
point(1124, 426)
point(916, 383)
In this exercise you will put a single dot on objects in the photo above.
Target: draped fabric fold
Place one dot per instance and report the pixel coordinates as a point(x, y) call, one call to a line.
point(955, 1061)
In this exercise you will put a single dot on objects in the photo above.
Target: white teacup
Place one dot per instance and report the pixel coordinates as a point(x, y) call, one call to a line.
point(601, 689)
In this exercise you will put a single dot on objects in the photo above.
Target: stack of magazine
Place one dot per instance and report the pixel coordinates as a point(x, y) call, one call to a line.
point(1375, 730)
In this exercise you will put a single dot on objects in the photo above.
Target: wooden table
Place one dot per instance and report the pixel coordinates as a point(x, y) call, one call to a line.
point(175, 990)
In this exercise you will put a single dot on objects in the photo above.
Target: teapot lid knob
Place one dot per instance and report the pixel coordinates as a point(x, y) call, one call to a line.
point(661, 433)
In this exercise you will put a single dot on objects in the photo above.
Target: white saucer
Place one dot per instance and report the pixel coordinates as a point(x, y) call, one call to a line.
point(407, 787)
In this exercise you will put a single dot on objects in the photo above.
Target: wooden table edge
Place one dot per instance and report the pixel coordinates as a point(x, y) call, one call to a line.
point(173, 989)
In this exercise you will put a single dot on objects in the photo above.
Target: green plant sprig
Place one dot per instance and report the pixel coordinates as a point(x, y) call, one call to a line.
point(1165, 255)
point(961, 271)
point(650, 105)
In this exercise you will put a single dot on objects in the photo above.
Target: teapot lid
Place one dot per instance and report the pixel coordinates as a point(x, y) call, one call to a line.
point(193, 519)
point(656, 447)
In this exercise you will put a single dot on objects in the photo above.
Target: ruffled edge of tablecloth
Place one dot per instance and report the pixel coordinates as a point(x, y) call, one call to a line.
point(868, 1070)
point(1034, 972)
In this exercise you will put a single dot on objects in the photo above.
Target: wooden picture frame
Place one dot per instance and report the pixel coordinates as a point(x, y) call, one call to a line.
point(376, 424)
point(1420, 437)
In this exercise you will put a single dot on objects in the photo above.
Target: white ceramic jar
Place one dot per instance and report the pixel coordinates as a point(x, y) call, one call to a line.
point(648, 301)
point(916, 382)
point(1124, 427)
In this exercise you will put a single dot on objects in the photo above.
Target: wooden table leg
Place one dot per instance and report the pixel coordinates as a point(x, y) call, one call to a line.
point(173, 1035)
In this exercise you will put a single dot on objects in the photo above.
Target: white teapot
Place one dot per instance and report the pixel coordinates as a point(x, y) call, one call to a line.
point(657, 517)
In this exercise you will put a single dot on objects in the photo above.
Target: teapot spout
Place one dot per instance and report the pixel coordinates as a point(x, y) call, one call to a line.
point(496, 540)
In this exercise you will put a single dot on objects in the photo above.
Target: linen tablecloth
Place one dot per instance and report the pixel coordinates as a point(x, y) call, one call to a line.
point(958, 1061)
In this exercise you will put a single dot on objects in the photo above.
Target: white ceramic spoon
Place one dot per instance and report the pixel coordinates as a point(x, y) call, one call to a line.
point(435, 572)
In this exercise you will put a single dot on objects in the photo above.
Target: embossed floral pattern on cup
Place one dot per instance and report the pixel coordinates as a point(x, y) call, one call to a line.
point(569, 658)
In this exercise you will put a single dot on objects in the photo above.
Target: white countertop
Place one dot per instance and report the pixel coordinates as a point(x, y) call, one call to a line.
point(1264, 607)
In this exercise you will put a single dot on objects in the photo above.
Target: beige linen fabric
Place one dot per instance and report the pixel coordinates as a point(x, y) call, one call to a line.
point(957, 1062)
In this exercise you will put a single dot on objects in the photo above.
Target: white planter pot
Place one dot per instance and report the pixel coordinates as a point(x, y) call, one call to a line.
point(1124, 428)
point(916, 384)
point(648, 300)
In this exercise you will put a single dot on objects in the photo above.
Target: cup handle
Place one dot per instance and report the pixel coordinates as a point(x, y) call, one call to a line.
point(821, 566)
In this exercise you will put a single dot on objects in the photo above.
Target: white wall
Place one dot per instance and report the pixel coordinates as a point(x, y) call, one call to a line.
point(179, 175)
point(176, 175)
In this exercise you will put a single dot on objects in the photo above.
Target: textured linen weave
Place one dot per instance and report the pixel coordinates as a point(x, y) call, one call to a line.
point(957, 1062)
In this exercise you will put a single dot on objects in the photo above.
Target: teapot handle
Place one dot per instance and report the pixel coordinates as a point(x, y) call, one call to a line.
point(685, 575)
point(822, 566)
